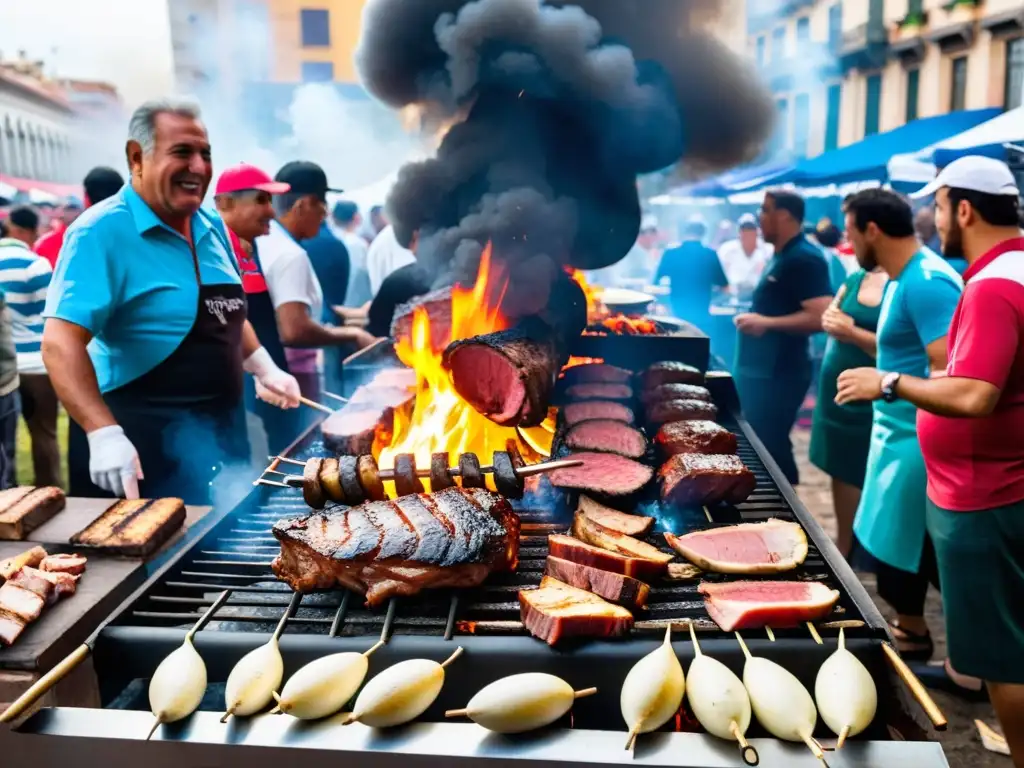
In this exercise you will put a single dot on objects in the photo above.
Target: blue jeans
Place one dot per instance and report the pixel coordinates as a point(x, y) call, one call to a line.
point(10, 409)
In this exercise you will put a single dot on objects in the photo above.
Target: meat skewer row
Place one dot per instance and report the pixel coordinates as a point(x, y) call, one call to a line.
point(352, 480)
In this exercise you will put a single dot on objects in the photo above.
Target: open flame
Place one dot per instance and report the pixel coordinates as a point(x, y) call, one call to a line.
point(601, 321)
point(440, 419)
point(595, 309)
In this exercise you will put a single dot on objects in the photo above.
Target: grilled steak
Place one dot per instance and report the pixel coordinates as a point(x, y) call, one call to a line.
point(669, 372)
point(595, 373)
point(681, 410)
point(654, 561)
point(770, 547)
point(631, 525)
point(599, 392)
point(575, 551)
point(132, 528)
point(748, 604)
point(557, 610)
point(508, 376)
point(699, 479)
point(452, 538)
point(666, 392)
point(606, 474)
point(70, 564)
point(613, 587)
point(24, 509)
point(438, 305)
point(606, 436)
point(695, 437)
point(585, 410)
point(369, 413)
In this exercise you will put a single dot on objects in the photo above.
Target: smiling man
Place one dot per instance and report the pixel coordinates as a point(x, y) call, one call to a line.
point(146, 337)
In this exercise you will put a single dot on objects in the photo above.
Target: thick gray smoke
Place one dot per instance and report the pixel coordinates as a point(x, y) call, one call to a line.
point(557, 118)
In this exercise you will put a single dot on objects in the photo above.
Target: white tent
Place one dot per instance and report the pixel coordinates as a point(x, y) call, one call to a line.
point(1007, 128)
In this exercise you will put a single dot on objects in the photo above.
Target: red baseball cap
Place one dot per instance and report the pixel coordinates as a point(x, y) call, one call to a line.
point(242, 177)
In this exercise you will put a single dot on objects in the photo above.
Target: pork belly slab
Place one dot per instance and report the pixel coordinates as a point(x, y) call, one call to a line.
point(451, 538)
point(749, 604)
point(556, 610)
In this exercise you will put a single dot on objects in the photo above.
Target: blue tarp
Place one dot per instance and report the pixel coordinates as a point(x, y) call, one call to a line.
point(724, 184)
point(867, 160)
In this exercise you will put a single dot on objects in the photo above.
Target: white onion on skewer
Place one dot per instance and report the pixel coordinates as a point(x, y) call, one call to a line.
point(780, 702)
point(255, 677)
point(521, 703)
point(718, 700)
point(652, 691)
point(845, 692)
point(323, 686)
point(400, 693)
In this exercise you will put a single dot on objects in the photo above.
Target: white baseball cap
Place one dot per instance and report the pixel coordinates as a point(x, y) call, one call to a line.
point(747, 220)
point(976, 173)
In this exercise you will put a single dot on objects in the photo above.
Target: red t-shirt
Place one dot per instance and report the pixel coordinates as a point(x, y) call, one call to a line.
point(252, 279)
point(976, 464)
point(48, 246)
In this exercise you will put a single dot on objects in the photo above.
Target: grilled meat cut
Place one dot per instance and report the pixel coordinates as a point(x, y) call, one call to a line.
point(606, 436)
point(699, 479)
point(631, 525)
point(681, 410)
point(22, 599)
point(613, 587)
point(695, 437)
point(669, 372)
point(64, 584)
point(556, 610)
point(666, 392)
point(599, 392)
point(133, 527)
point(23, 509)
point(508, 376)
point(595, 373)
point(576, 551)
point(438, 305)
point(774, 546)
point(452, 538)
point(590, 532)
point(64, 563)
point(369, 413)
point(606, 474)
point(586, 410)
point(748, 604)
point(30, 557)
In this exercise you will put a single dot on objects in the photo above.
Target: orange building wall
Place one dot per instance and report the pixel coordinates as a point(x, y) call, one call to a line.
point(288, 52)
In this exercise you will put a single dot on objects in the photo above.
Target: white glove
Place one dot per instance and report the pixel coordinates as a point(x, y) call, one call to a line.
point(273, 385)
point(113, 462)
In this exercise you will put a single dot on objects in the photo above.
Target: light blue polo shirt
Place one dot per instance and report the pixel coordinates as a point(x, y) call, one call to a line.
point(130, 280)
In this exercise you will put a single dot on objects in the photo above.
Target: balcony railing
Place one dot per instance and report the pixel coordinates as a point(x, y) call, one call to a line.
point(865, 46)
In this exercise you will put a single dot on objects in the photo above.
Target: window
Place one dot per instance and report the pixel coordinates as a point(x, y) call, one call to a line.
point(317, 72)
point(1014, 73)
point(801, 123)
point(835, 26)
point(803, 30)
point(762, 50)
point(835, 102)
point(958, 86)
point(913, 86)
point(873, 104)
point(782, 126)
point(778, 43)
point(316, 28)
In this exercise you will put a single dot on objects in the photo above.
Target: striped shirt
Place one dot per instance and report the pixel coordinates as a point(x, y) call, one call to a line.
point(24, 278)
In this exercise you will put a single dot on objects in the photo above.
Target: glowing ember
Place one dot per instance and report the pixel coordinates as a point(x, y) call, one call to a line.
point(441, 420)
point(629, 326)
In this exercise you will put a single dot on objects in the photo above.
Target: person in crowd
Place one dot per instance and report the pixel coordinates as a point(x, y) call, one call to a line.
point(99, 184)
point(244, 200)
point(773, 364)
point(24, 278)
point(330, 259)
point(378, 221)
point(924, 226)
point(48, 245)
point(841, 435)
point(745, 258)
point(294, 287)
point(146, 338)
point(385, 256)
point(725, 232)
point(918, 307)
point(969, 423)
point(694, 273)
point(10, 407)
point(829, 237)
point(347, 221)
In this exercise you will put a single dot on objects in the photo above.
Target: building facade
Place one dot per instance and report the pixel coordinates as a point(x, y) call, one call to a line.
point(844, 69)
point(35, 125)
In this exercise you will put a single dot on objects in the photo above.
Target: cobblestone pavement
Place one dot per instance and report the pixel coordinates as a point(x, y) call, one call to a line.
point(960, 742)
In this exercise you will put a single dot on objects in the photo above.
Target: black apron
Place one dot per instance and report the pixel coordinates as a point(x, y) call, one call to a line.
point(185, 417)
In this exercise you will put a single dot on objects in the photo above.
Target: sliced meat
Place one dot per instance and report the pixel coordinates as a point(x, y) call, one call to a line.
point(452, 538)
point(64, 563)
point(695, 437)
point(606, 436)
point(508, 376)
point(555, 611)
point(681, 410)
point(64, 584)
point(599, 392)
point(749, 604)
point(605, 538)
point(438, 306)
point(587, 410)
point(575, 551)
point(351, 430)
point(666, 392)
point(11, 627)
point(396, 378)
point(30, 557)
point(612, 519)
point(24, 603)
point(695, 479)
point(669, 372)
point(607, 474)
point(22, 513)
point(613, 587)
point(595, 373)
point(774, 546)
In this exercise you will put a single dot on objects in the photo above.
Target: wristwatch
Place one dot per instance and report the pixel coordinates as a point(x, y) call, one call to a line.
point(889, 382)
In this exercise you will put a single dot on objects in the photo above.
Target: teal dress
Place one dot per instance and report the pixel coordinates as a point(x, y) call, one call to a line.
point(917, 309)
point(841, 434)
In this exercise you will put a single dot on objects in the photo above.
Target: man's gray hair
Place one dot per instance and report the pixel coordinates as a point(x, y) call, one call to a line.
point(142, 126)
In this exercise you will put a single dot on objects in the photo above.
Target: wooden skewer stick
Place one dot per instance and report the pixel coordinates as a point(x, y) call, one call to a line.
point(707, 514)
point(333, 396)
point(315, 405)
point(916, 688)
point(770, 633)
point(457, 713)
point(631, 741)
point(747, 752)
point(453, 657)
point(843, 734)
point(814, 747)
point(272, 483)
point(285, 460)
point(814, 633)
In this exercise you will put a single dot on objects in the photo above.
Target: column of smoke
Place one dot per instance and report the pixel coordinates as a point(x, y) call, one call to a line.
point(555, 119)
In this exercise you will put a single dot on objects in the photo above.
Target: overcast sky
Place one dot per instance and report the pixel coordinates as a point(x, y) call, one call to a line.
point(126, 42)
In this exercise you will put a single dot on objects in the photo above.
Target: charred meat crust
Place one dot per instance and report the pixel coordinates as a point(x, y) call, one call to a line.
point(613, 587)
point(669, 372)
point(695, 436)
point(133, 528)
point(681, 410)
point(606, 436)
point(595, 373)
point(665, 392)
point(406, 481)
point(440, 477)
point(23, 509)
point(557, 610)
point(698, 479)
point(469, 471)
